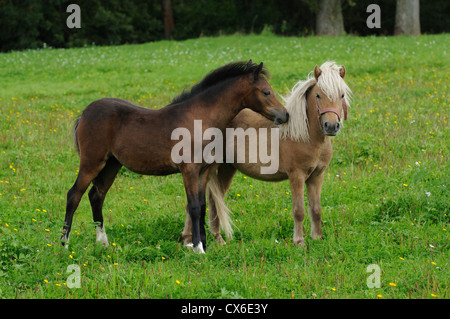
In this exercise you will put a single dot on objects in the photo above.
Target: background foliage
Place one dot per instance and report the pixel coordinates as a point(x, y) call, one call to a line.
point(30, 24)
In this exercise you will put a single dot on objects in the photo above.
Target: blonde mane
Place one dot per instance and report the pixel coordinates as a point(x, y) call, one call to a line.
point(332, 85)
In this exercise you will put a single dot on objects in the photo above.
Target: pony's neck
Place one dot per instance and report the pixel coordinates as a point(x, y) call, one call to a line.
point(228, 103)
point(315, 130)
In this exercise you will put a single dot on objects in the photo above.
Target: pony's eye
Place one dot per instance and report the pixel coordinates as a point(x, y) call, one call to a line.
point(342, 96)
point(317, 95)
point(266, 93)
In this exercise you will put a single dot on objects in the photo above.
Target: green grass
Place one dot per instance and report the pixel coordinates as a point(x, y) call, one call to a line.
point(385, 195)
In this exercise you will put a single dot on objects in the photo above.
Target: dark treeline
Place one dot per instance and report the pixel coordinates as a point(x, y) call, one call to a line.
point(29, 24)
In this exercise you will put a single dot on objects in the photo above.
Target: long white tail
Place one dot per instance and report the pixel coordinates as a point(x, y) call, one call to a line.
point(215, 193)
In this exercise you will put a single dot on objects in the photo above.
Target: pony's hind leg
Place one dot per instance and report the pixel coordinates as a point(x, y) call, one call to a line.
point(74, 195)
point(97, 194)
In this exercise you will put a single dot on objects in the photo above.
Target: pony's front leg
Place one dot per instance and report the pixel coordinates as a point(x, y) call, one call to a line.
point(195, 214)
point(196, 206)
point(314, 189)
point(186, 235)
point(297, 182)
point(203, 180)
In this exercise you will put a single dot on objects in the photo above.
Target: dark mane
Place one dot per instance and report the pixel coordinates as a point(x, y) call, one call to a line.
point(218, 75)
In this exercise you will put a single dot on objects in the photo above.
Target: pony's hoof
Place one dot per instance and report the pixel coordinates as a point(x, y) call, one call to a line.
point(199, 248)
point(187, 241)
point(102, 243)
point(101, 236)
point(317, 236)
point(300, 242)
point(219, 239)
point(64, 242)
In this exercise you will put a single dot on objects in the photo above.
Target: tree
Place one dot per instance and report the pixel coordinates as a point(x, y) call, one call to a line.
point(167, 14)
point(407, 17)
point(329, 19)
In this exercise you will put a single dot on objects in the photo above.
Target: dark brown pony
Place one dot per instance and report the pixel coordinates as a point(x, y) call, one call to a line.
point(316, 107)
point(112, 133)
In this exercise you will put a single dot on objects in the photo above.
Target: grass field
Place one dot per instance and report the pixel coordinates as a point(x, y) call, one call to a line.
point(385, 196)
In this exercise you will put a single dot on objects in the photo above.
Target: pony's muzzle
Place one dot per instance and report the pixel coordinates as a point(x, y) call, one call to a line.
point(281, 118)
point(331, 128)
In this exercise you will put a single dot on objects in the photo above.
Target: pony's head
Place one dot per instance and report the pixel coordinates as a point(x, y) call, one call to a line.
point(261, 98)
point(331, 95)
point(258, 94)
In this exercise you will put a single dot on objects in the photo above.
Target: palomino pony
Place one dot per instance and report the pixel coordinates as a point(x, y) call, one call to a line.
point(315, 107)
point(112, 133)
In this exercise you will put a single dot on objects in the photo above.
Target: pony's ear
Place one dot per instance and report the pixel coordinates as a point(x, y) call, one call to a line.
point(249, 63)
point(257, 71)
point(342, 71)
point(317, 72)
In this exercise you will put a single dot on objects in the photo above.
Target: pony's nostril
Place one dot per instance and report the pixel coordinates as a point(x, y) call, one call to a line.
point(325, 125)
point(282, 119)
point(338, 126)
